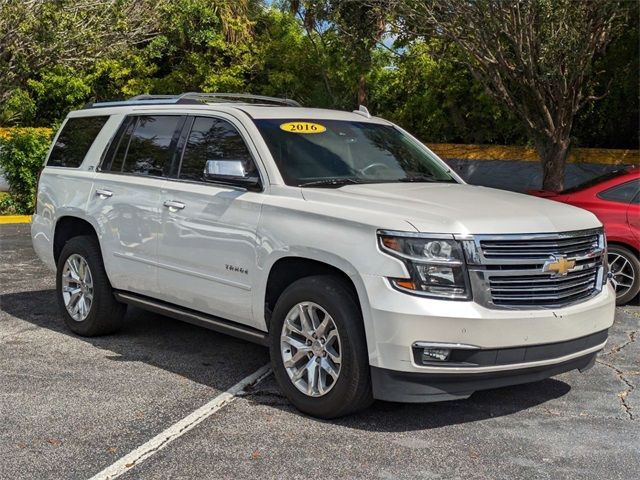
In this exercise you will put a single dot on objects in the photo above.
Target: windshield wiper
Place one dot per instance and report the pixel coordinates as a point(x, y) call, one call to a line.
point(425, 178)
point(419, 178)
point(331, 182)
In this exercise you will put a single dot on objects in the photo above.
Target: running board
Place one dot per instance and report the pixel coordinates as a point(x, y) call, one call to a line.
point(196, 318)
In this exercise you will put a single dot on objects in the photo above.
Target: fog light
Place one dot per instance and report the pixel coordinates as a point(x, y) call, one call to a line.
point(437, 354)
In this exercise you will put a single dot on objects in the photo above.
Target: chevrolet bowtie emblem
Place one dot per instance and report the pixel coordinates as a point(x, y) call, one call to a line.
point(560, 266)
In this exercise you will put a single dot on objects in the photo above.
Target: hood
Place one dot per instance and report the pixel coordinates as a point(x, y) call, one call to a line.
point(455, 208)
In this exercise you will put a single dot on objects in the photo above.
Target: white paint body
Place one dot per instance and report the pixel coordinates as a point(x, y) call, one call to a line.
point(180, 256)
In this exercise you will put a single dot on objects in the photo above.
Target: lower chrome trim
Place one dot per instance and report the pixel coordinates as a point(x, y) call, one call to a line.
point(457, 346)
point(512, 366)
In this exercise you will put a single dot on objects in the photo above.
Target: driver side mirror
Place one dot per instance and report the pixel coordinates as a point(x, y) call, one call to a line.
point(231, 172)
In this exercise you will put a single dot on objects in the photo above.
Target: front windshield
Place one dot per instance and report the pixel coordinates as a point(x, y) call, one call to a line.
point(337, 152)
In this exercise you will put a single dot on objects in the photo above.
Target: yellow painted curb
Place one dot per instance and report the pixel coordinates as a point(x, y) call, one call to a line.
point(525, 154)
point(6, 219)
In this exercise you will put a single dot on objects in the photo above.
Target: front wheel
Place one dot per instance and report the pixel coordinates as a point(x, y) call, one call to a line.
point(624, 267)
point(318, 348)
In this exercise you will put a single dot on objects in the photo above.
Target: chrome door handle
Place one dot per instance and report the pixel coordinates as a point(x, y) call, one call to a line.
point(104, 193)
point(173, 205)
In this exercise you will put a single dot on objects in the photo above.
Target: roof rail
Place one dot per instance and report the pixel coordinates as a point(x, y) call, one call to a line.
point(194, 98)
point(239, 96)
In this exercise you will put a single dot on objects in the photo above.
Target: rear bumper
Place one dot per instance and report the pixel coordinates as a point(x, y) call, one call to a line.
point(411, 387)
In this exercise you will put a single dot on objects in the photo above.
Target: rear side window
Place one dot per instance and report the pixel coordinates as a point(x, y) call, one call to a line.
point(145, 145)
point(212, 139)
point(75, 140)
point(624, 193)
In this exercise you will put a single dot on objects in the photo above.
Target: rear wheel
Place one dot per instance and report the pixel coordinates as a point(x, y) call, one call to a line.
point(625, 270)
point(84, 293)
point(318, 348)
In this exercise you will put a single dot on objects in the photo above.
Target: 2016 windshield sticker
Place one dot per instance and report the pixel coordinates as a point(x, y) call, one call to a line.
point(303, 127)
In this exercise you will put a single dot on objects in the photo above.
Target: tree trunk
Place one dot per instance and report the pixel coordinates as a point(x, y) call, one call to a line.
point(362, 90)
point(553, 155)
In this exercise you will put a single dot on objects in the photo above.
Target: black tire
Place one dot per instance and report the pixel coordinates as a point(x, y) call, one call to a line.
point(105, 313)
point(634, 265)
point(352, 390)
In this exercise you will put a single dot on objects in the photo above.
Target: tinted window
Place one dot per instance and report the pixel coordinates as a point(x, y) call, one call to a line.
point(144, 145)
point(114, 159)
point(74, 141)
point(212, 139)
point(624, 193)
point(309, 152)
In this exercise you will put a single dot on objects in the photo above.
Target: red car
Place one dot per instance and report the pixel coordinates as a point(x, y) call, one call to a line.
point(615, 199)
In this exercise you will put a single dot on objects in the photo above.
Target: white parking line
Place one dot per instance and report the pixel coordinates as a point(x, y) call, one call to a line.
point(178, 429)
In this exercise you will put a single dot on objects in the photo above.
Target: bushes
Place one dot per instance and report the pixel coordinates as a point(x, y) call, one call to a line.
point(22, 153)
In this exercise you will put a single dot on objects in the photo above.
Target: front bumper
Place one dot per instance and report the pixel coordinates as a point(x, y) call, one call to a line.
point(395, 321)
point(406, 387)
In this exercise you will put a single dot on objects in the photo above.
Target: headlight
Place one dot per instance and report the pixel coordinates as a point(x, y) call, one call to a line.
point(436, 266)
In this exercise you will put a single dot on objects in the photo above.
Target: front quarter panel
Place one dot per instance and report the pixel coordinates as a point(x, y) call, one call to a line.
point(290, 227)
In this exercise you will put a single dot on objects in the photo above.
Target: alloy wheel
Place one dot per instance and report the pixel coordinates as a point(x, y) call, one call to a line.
point(622, 273)
point(77, 287)
point(311, 349)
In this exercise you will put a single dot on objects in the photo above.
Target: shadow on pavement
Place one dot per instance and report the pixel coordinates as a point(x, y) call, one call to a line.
point(210, 359)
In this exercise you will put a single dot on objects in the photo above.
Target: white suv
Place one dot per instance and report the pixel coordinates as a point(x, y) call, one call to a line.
point(367, 266)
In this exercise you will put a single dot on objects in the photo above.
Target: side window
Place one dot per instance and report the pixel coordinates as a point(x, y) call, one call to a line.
point(114, 159)
point(624, 193)
point(144, 145)
point(75, 140)
point(212, 139)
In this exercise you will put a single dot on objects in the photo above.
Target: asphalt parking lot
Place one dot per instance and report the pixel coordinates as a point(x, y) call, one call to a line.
point(71, 407)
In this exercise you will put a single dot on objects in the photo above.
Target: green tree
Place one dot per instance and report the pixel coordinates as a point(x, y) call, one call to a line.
point(438, 100)
point(358, 25)
point(534, 56)
point(39, 39)
point(612, 122)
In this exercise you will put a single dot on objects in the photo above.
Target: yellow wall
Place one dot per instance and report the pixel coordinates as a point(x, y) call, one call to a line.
point(498, 152)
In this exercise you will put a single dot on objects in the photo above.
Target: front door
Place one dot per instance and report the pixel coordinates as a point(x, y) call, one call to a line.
point(207, 250)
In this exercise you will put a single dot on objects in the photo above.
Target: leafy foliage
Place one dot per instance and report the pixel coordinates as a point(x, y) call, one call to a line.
point(436, 99)
point(536, 57)
point(324, 53)
point(22, 153)
point(41, 38)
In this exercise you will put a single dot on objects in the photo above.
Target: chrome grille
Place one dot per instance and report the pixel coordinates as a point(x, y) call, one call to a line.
point(578, 246)
point(508, 271)
point(543, 289)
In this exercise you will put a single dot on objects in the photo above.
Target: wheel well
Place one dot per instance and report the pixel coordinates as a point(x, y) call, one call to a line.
point(624, 245)
point(66, 229)
point(287, 270)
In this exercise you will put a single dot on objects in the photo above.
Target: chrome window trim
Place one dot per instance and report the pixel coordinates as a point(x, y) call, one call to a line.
point(457, 346)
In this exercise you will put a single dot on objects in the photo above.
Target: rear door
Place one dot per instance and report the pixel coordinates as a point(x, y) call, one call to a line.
point(126, 198)
point(207, 250)
point(616, 203)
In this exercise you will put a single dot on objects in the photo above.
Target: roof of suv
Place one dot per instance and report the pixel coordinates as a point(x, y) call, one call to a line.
point(271, 108)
